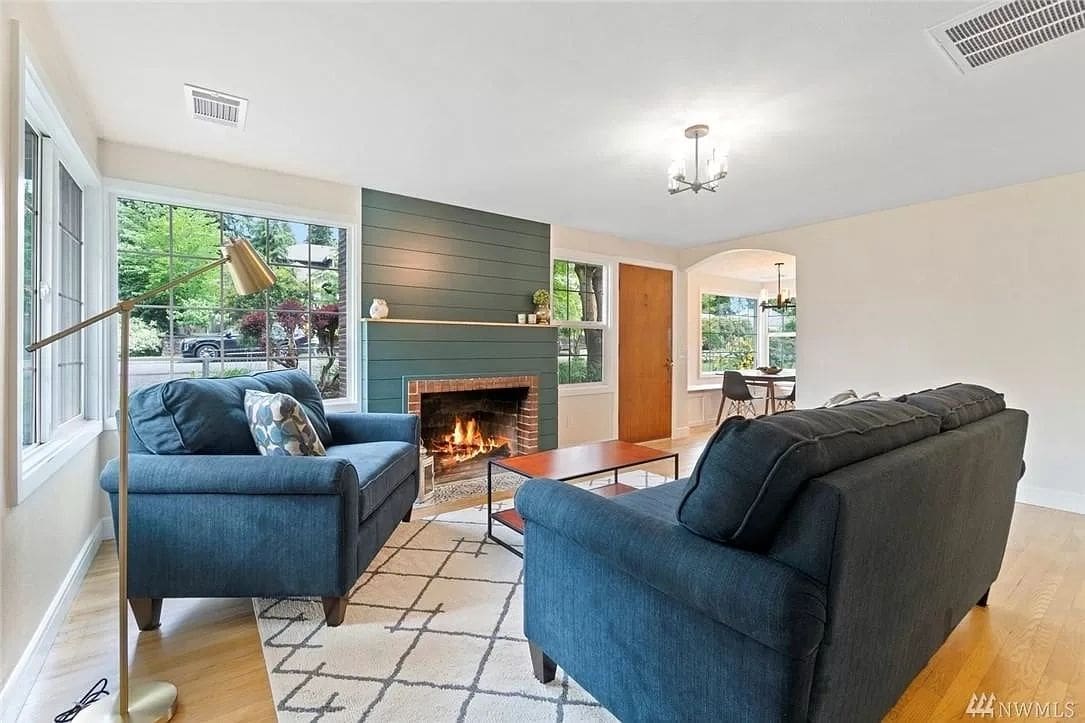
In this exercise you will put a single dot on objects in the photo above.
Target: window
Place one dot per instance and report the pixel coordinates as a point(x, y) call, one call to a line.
point(728, 333)
point(203, 328)
point(68, 353)
point(781, 329)
point(579, 309)
point(31, 244)
point(53, 382)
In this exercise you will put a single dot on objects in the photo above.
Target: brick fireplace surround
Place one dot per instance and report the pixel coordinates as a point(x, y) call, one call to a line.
point(527, 426)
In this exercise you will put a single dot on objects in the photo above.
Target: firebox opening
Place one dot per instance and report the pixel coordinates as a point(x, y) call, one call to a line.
point(464, 429)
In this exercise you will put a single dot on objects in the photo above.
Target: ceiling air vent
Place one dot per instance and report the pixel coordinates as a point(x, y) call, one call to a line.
point(1000, 29)
point(221, 108)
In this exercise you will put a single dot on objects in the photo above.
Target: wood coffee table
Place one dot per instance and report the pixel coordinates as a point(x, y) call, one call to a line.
point(566, 464)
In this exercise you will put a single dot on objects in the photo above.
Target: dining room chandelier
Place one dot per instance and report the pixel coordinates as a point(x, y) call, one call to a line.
point(715, 169)
point(784, 300)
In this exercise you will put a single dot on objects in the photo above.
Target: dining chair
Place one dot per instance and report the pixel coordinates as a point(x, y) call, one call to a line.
point(787, 401)
point(737, 392)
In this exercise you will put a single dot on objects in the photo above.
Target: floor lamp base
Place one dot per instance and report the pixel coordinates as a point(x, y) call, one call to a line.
point(152, 702)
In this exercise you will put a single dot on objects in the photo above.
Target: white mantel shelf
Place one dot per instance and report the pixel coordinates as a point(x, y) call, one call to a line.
point(456, 323)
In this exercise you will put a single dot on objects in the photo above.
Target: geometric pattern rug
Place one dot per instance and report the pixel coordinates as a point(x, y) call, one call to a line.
point(433, 632)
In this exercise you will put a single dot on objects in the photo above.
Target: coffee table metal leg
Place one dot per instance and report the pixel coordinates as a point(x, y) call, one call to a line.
point(489, 499)
point(676, 466)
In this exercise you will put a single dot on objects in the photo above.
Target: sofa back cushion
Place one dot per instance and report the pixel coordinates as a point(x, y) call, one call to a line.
point(957, 404)
point(207, 416)
point(752, 469)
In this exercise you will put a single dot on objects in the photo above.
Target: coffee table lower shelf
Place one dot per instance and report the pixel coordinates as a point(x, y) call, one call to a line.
point(511, 519)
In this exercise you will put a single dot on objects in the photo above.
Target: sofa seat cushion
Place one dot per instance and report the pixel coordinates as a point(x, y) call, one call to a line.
point(207, 416)
point(660, 501)
point(752, 469)
point(957, 404)
point(381, 467)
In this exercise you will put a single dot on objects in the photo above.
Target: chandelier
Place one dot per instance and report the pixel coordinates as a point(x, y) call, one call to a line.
point(784, 300)
point(715, 170)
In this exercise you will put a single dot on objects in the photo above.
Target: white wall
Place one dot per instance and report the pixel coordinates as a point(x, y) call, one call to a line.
point(593, 417)
point(40, 538)
point(205, 176)
point(985, 288)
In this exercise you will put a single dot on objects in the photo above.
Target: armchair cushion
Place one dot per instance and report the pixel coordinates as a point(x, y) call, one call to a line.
point(957, 404)
point(752, 469)
point(381, 467)
point(207, 416)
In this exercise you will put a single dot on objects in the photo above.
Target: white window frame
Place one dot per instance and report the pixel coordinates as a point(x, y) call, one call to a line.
point(57, 444)
point(758, 332)
point(764, 337)
point(117, 189)
point(610, 350)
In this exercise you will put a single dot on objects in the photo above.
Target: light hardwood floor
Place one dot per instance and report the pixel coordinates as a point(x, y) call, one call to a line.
point(1028, 645)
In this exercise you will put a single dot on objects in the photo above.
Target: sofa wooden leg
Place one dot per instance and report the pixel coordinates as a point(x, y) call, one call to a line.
point(335, 609)
point(407, 517)
point(545, 668)
point(983, 600)
point(147, 611)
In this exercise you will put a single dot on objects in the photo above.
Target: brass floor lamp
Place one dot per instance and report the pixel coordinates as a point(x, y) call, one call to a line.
point(154, 701)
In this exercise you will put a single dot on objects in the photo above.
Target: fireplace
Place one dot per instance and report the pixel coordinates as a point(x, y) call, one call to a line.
point(466, 422)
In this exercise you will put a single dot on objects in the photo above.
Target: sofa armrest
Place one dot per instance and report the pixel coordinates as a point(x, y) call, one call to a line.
point(234, 474)
point(358, 427)
point(752, 594)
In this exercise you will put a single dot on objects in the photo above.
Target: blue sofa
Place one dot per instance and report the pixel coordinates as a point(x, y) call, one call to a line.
point(210, 517)
point(807, 570)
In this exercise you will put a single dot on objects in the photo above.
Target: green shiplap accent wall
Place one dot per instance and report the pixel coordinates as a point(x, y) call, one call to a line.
point(394, 353)
point(434, 261)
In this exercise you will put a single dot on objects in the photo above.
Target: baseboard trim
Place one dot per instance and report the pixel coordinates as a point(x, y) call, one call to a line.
point(1055, 499)
point(107, 528)
point(680, 432)
point(23, 676)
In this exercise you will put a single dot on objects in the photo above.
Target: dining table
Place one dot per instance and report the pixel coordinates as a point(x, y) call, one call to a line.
point(758, 378)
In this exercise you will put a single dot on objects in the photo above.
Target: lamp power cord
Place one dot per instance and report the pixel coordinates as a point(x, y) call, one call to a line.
point(91, 696)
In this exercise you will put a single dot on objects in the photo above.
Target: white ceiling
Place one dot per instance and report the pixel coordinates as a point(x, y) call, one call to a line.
point(570, 113)
point(757, 265)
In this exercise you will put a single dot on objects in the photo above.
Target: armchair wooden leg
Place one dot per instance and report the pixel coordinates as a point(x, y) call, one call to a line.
point(147, 611)
point(545, 668)
point(983, 600)
point(335, 609)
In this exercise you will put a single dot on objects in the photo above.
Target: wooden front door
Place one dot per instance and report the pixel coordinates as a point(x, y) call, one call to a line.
point(645, 327)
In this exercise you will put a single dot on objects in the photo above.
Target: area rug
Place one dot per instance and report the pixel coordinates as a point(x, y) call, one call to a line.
point(474, 487)
point(433, 632)
point(507, 481)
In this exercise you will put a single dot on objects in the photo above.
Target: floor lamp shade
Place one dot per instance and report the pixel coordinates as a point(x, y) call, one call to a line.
point(249, 272)
point(153, 701)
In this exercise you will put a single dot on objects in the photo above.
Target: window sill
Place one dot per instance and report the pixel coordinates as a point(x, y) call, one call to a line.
point(576, 390)
point(341, 405)
point(41, 462)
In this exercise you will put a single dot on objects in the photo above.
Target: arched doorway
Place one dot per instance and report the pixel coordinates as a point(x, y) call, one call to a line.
point(742, 316)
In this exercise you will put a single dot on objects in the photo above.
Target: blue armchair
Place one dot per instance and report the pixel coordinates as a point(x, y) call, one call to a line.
point(210, 517)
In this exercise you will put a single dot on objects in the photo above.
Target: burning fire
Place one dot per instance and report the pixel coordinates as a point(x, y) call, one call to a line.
point(467, 441)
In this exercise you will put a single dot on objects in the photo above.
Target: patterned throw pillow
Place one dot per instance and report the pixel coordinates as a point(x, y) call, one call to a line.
point(280, 426)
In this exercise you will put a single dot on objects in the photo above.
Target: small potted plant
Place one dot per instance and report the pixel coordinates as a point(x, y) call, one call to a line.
point(541, 299)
